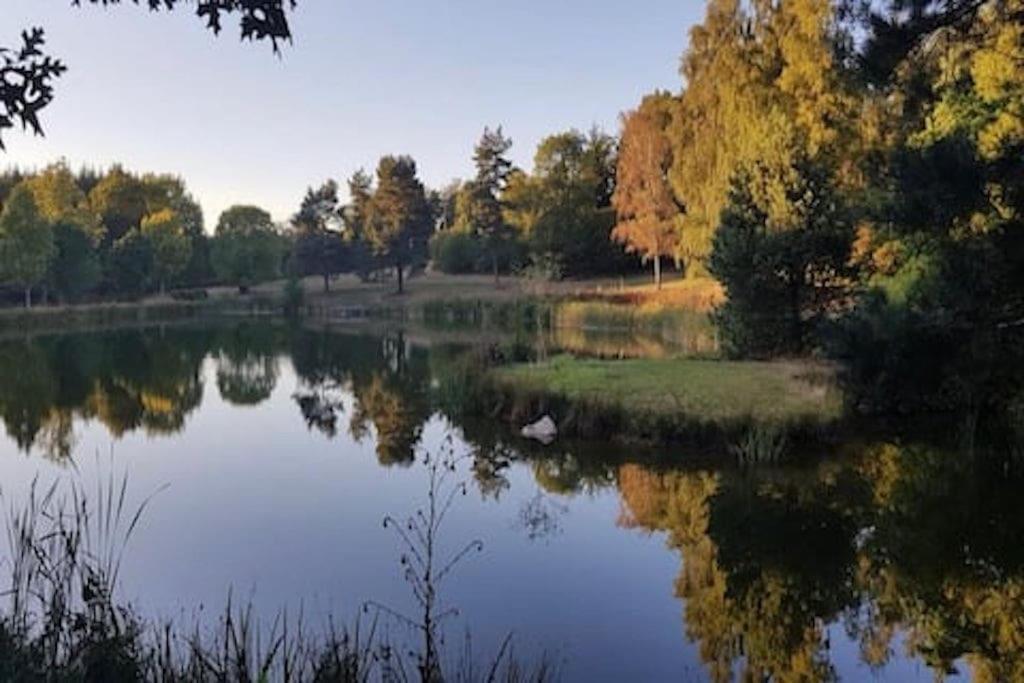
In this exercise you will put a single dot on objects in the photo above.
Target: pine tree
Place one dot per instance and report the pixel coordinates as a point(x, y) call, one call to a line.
point(399, 217)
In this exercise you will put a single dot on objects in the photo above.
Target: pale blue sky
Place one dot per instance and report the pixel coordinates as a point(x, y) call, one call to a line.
point(363, 78)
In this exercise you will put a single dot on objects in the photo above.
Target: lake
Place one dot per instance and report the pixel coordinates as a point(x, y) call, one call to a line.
point(274, 455)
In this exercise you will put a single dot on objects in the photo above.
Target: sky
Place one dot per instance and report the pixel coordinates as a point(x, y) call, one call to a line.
point(362, 78)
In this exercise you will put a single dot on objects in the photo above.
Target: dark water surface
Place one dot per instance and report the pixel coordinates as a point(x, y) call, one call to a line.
point(282, 451)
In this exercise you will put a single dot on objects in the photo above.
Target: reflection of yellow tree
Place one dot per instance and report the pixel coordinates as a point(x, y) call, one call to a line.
point(124, 406)
point(57, 435)
point(679, 504)
point(944, 561)
point(759, 612)
point(115, 406)
point(397, 414)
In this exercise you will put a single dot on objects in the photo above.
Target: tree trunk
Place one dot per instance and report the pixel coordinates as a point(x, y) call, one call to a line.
point(401, 273)
point(657, 272)
point(327, 283)
point(494, 262)
point(28, 297)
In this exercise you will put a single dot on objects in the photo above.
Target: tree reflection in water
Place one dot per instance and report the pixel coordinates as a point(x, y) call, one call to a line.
point(895, 543)
point(891, 539)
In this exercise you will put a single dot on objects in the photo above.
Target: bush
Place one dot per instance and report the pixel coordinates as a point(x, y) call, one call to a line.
point(456, 253)
point(461, 253)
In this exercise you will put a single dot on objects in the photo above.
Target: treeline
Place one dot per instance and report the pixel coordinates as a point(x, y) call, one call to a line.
point(554, 222)
point(853, 174)
point(69, 236)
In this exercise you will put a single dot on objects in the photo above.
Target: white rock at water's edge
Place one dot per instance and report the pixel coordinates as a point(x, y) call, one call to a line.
point(543, 430)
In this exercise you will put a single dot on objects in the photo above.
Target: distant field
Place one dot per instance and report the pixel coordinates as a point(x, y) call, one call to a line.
point(705, 390)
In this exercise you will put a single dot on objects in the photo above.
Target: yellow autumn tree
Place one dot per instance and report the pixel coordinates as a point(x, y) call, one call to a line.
point(645, 206)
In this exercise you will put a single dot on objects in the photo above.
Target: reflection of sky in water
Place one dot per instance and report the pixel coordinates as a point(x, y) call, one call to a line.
point(259, 504)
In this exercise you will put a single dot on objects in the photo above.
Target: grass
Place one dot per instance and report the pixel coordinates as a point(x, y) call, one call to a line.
point(672, 397)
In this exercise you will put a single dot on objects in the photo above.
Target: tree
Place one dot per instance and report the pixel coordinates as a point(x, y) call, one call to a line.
point(246, 248)
point(399, 219)
point(646, 207)
point(77, 231)
point(354, 215)
point(319, 248)
point(762, 80)
point(120, 199)
point(478, 204)
point(899, 27)
point(58, 197)
point(131, 263)
point(782, 253)
point(169, 192)
point(26, 242)
point(75, 269)
point(27, 73)
point(170, 246)
point(563, 210)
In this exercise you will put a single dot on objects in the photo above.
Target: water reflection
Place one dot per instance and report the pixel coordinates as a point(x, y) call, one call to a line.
point(901, 548)
point(126, 380)
point(893, 539)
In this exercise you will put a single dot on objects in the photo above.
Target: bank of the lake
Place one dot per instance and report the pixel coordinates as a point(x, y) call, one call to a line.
point(82, 317)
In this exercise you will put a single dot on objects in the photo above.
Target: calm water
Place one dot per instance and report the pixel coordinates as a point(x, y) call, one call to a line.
point(282, 451)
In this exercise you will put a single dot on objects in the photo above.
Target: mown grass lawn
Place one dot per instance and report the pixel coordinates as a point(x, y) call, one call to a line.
point(703, 390)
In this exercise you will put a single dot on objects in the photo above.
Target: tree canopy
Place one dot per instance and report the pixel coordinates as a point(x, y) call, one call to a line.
point(399, 217)
point(647, 211)
point(246, 248)
point(26, 241)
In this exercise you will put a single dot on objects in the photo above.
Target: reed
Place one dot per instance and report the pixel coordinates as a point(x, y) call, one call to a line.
point(63, 621)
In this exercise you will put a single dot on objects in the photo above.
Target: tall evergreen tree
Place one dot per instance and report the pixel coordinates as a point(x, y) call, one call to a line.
point(783, 271)
point(478, 207)
point(319, 248)
point(399, 218)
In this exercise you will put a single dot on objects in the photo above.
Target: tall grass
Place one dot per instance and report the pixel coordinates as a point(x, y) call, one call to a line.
point(64, 622)
point(656, 331)
point(761, 445)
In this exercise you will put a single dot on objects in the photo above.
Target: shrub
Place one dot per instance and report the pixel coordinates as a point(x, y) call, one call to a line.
point(456, 253)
